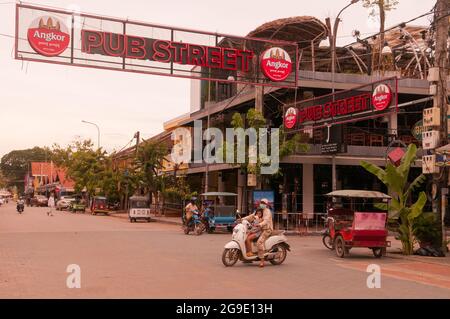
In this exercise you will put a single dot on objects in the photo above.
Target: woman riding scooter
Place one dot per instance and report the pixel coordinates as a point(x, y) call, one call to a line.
point(255, 232)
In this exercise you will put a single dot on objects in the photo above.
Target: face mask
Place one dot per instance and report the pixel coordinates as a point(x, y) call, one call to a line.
point(262, 206)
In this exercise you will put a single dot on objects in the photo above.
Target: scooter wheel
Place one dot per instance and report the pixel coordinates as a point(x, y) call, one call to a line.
point(281, 252)
point(186, 230)
point(230, 256)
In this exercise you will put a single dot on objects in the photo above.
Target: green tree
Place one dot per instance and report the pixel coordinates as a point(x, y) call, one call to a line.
point(3, 180)
point(15, 165)
point(396, 179)
point(149, 163)
point(254, 119)
point(85, 166)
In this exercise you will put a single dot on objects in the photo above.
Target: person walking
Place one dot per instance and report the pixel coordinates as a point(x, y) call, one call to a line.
point(51, 205)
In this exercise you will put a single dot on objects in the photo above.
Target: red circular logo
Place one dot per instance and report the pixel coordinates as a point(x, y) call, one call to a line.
point(381, 97)
point(276, 64)
point(48, 36)
point(290, 118)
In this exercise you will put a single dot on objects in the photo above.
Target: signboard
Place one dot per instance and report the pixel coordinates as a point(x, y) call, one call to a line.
point(290, 118)
point(86, 40)
point(381, 97)
point(364, 102)
point(417, 130)
point(251, 180)
point(333, 148)
point(276, 64)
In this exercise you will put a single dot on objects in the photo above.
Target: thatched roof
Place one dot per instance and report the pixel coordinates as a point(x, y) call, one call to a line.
point(302, 29)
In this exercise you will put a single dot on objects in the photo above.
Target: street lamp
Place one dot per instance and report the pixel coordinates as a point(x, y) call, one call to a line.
point(98, 130)
point(332, 37)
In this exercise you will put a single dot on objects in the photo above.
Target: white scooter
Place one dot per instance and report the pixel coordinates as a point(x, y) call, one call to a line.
point(276, 247)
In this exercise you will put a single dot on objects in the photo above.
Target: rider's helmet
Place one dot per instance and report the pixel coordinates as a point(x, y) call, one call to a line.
point(264, 203)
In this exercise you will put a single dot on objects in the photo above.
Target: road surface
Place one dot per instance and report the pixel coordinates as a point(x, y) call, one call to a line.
point(155, 260)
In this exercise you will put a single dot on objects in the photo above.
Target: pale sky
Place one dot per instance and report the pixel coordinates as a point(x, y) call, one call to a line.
point(42, 104)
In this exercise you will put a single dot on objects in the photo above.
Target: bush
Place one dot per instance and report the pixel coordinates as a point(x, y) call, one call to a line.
point(427, 230)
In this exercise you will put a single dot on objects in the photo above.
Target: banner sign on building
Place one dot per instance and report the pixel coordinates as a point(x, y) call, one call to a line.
point(86, 40)
point(364, 102)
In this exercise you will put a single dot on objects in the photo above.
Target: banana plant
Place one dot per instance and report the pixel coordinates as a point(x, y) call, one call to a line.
point(396, 179)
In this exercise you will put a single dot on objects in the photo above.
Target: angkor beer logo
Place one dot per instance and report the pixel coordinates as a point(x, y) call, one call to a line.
point(48, 36)
point(381, 97)
point(276, 64)
point(290, 118)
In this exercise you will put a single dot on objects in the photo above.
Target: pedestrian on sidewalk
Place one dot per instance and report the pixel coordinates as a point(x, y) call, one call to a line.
point(51, 205)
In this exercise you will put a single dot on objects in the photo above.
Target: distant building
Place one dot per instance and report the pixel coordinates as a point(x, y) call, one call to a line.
point(47, 177)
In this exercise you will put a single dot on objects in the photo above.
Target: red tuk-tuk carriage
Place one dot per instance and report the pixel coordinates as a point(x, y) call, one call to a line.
point(98, 205)
point(355, 221)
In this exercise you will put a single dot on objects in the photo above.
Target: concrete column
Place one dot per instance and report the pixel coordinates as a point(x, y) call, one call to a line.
point(393, 123)
point(220, 185)
point(241, 181)
point(308, 188)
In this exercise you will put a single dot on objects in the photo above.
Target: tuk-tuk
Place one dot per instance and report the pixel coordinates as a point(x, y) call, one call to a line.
point(220, 213)
point(77, 205)
point(98, 205)
point(354, 220)
point(138, 208)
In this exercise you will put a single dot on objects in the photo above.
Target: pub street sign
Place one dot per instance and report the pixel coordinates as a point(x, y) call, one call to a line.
point(62, 37)
point(364, 102)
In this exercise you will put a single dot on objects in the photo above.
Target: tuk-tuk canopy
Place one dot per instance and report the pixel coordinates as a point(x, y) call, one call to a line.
point(139, 202)
point(218, 194)
point(358, 194)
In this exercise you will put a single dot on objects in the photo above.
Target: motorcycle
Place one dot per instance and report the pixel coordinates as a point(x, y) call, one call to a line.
point(326, 238)
point(276, 247)
point(195, 225)
point(20, 207)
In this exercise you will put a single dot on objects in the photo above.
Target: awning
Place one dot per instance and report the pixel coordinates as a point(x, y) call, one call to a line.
point(444, 150)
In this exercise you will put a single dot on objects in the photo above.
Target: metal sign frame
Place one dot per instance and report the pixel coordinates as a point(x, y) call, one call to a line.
point(256, 78)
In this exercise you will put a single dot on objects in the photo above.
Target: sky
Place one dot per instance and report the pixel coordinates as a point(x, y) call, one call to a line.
point(42, 104)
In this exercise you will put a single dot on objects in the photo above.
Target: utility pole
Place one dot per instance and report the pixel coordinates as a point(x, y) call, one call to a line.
point(137, 136)
point(440, 101)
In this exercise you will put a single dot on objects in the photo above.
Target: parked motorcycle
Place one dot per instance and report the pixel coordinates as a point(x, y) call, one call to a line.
point(276, 247)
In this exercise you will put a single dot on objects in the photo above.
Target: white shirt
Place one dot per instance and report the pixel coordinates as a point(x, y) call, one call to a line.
point(51, 202)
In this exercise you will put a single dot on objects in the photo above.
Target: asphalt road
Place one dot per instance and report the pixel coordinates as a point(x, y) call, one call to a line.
point(154, 260)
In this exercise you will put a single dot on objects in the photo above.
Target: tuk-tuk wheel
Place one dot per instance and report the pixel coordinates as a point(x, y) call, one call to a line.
point(149, 220)
point(230, 229)
point(340, 249)
point(377, 252)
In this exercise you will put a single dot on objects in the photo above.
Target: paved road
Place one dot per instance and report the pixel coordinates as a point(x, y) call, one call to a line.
point(153, 260)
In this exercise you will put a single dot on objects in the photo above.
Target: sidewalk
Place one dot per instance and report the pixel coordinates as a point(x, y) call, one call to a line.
point(158, 218)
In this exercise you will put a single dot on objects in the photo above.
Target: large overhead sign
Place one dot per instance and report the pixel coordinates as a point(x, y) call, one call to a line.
point(63, 37)
point(367, 101)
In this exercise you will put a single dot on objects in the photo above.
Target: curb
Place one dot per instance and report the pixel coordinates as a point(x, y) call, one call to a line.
point(157, 219)
point(421, 259)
